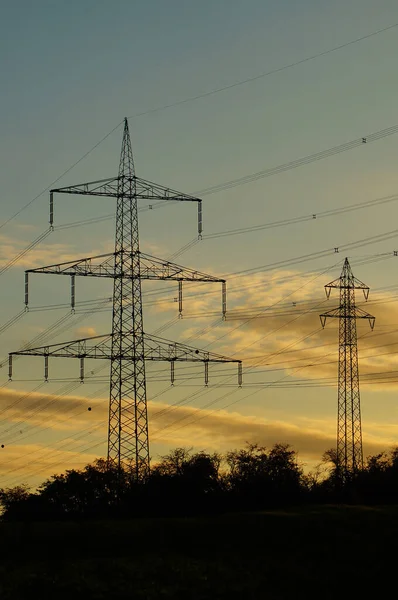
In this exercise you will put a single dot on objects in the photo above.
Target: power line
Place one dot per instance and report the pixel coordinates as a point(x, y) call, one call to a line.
point(299, 162)
point(262, 75)
point(19, 211)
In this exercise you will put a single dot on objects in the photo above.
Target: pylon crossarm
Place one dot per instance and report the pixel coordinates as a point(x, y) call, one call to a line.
point(102, 187)
point(94, 266)
point(333, 313)
point(145, 190)
point(354, 313)
point(355, 285)
point(158, 349)
point(103, 265)
point(133, 187)
point(157, 268)
point(362, 314)
point(73, 349)
point(97, 347)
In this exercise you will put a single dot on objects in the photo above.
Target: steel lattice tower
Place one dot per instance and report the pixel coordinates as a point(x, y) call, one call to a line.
point(349, 428)
point(127, 378)
point(127, 347)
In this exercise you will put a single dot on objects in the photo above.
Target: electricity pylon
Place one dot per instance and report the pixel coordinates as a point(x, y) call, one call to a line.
point(127, 346)
point(349, 428)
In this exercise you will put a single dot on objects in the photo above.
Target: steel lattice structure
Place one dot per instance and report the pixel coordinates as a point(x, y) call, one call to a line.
point(127, 346)
point(349, 428)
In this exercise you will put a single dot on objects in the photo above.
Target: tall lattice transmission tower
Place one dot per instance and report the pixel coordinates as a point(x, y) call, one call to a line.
point(127, 347)
point(349, 428)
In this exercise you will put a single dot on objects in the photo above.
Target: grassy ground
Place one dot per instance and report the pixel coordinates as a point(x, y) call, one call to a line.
point(325, 552)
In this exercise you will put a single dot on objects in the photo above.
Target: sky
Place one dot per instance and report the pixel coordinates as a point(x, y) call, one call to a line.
point(71, 71)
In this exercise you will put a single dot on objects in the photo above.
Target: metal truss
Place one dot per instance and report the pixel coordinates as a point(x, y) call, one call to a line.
point(349, 427)
point(144, 190)
point(151, 268)
point(100, 347)
point(127, 347)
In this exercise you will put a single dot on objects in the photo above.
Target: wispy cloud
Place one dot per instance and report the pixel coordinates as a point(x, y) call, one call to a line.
point(46, 416)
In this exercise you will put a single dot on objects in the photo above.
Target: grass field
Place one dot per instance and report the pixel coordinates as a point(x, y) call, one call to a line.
point(326, 552)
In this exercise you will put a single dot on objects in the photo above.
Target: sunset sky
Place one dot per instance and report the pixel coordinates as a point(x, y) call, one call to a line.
point(71, 71)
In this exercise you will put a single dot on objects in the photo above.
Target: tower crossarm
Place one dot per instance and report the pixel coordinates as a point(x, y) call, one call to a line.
point(100, 347)
point(341, 313)
point(145, 190)
point(94, 266)
point(133, 187)
point(159, 349)
point(157, 268)
point(347, 281)
point(103, 266)
point(151, 268)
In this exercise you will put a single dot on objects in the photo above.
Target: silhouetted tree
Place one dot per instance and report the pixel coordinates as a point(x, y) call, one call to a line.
point(185, 482)
point(259, 477)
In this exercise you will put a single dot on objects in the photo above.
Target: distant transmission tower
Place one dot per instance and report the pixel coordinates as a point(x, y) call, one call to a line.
point(349, 429)
point(127, 347)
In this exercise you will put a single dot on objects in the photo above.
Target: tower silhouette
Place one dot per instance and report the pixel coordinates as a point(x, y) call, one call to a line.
point(127, 347)
point(349, 427)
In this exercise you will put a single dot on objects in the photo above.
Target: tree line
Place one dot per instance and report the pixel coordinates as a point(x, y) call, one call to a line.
point(185, 483)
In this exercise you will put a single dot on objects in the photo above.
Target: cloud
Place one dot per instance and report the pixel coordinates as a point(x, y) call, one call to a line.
point(43, 254)
point(273, 321)
point(33, 463)
point(83, 332)
point(223, 430)
point(82, 433)
point(57, 412)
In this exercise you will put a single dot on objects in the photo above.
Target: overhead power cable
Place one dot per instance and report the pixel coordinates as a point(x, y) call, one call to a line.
point(48, 187)
point(25, 251)
point(299, 162)
point(266, 74)
point(303, 218)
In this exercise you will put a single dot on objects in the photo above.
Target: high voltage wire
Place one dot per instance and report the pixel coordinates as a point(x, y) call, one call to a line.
point(191, 99)
point(48, 187)
point(207, 405)
point(38, 407)
point(25, 251)
point(78, 384)
point(316, 215)
point(241, 350)
point(254, 176)
point(196, 334)
point(267, 385)
point(263, 75)
point(310, 158)
point(277, 352)
point(272, 266)
point(235, 182)
point(237, 314)
point(304, 218)
point(380, 237)
point(211, 403)
point(239, 400)
point(241, 181)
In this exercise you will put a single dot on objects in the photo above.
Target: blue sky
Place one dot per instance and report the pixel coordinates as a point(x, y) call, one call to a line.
point(71, 71)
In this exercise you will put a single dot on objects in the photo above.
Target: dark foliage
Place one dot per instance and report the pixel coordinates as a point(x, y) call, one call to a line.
point(185, 484)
